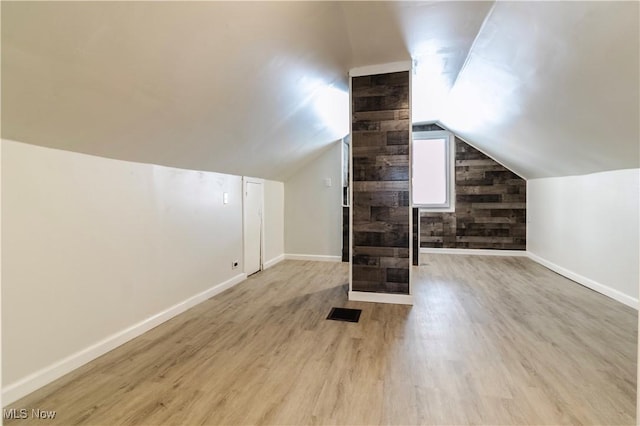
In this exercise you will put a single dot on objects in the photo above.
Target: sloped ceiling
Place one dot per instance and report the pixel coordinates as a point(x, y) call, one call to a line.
point(232, 87)
point(552, 89)
point(549, 89)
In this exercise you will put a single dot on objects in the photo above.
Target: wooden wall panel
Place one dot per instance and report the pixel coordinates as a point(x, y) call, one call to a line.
point(415, 212)
point(380, 158)
point(490, 210)
point(345, 234)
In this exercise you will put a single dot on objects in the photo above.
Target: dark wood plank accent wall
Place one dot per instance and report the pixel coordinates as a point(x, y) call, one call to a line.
point(380, 158)
point(345, 234)
point(415, 212)
point(490, 210)
point(430, 127)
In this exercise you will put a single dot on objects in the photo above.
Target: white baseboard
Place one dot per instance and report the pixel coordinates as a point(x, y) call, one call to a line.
point(315, 257)
point(478, 252)
point(365, 296)
point(272, 262)
point(587, 282)
point(36, 380)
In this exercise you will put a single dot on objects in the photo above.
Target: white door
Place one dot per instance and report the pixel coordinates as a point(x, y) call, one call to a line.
point(253, 191)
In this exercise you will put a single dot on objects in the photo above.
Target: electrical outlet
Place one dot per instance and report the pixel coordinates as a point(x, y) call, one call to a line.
point(234, 264)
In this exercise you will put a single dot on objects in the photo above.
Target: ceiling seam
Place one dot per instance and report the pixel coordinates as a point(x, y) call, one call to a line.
point(475, 39)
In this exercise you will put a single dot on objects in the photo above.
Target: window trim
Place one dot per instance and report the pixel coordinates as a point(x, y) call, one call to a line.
point(449, 204)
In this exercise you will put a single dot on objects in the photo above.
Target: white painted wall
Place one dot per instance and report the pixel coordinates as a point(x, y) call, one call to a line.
point(586, 227)
point(96, 250)
point(313, 211)
point(273, 222)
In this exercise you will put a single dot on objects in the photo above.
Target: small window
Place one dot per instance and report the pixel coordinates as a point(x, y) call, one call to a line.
point(432, 171)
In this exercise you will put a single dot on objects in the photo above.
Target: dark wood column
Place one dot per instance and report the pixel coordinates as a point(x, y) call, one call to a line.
point(345, 234)
point(380, 157)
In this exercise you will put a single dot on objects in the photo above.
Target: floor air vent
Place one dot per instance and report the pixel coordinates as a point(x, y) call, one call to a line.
point(344, 314)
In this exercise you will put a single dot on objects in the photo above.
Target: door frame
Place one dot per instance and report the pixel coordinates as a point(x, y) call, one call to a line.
point(245, 181)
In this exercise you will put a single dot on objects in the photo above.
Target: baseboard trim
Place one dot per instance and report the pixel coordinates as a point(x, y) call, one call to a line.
point(314, 257)
point(40, 378)
point(476, 252)
point(273, 262)
point(365, 296)
point(587, 282)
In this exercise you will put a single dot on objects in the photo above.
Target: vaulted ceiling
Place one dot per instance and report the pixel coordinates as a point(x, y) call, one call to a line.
point(259, 88)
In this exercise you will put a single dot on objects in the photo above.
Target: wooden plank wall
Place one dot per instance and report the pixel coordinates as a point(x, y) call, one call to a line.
point(490, 210)
point(345, 234)
point(380, 158)
point(415, 212)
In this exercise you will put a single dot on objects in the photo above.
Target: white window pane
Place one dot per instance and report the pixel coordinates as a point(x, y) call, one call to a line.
point(429, 171)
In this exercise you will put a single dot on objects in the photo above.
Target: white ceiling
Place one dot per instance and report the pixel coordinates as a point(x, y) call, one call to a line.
point(259, 88)
point(552, 88)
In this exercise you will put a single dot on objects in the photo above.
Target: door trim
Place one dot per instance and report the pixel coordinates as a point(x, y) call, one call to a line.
point(245, 180)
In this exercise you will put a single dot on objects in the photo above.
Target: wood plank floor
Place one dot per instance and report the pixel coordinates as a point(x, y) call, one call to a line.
point(490, 340)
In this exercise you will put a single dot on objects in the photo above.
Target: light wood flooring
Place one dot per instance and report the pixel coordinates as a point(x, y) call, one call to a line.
point(490, 340)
